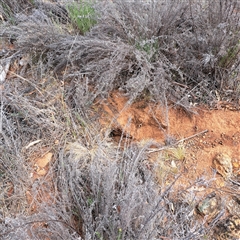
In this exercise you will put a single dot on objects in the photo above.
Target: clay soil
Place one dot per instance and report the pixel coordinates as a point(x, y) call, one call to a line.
point(203, 133)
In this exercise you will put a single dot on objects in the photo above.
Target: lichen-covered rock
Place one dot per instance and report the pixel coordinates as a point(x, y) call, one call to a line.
point(223, 164)
point(210, 206)
point(233, 205)
point(228, 228)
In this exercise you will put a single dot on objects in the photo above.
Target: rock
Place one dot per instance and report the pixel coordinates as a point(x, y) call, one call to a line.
point(228, 228)
point(223, 164)
point(233, 205)
point(210, 207)
point(236, 165)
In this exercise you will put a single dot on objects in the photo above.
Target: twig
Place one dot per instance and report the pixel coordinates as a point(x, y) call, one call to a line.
point(176, 143)
point(195, 135)
point(32, 143)
point(234, 182)
point(28, 81)
point(180, 84)
point(3, 74)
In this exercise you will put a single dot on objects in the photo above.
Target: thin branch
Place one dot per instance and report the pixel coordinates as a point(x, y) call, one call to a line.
point(180, 141)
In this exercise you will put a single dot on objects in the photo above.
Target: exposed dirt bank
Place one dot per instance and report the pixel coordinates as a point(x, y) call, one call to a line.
point(206, 133)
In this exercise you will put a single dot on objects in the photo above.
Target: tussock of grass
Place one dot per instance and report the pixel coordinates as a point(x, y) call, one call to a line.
point(118, 192)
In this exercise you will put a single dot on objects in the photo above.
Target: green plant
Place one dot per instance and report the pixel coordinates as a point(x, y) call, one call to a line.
point(119, 234)
point(149, 46)
point(90, 201)
point(99, 235)
point(230, 57)
point(83, 15)
point(6, 10)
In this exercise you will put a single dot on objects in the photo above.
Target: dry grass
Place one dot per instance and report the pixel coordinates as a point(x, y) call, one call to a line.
point(161, 47)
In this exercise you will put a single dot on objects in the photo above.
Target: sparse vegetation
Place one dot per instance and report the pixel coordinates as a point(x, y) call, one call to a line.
point(166, 51)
